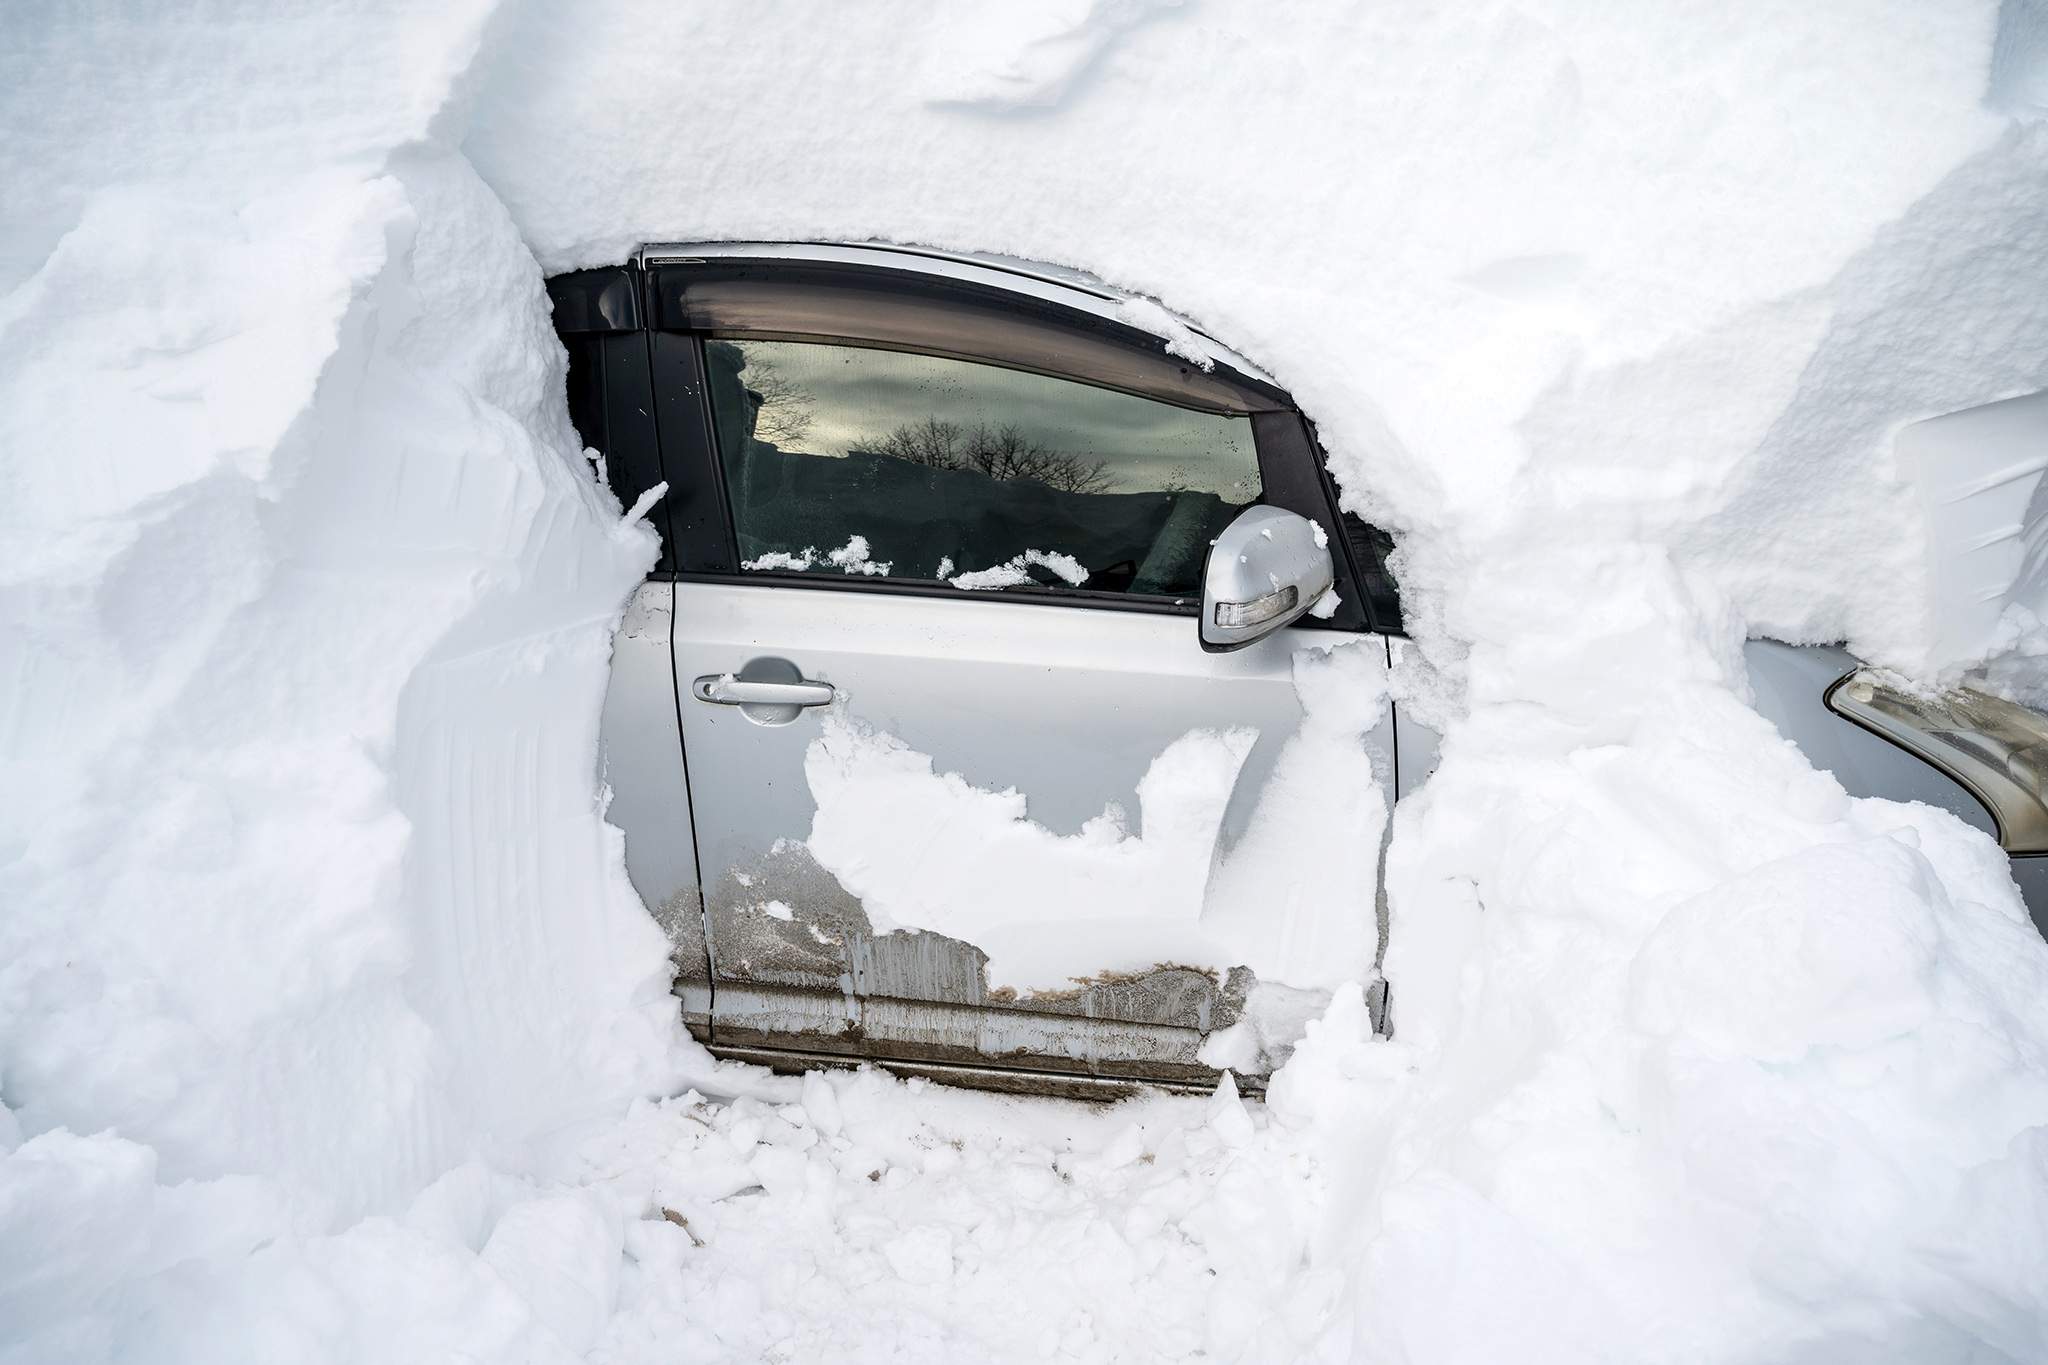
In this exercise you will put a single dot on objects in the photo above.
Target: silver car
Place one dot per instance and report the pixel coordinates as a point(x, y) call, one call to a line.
point(1037, 543)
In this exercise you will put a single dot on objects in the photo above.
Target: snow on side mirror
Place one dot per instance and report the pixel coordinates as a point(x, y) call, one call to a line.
point(1266, 569)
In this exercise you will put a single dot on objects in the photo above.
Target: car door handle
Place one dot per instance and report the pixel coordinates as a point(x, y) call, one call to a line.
point(723, 689)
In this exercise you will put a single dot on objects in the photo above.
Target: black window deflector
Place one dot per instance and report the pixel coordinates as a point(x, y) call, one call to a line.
point(943, 318)
point(596, 301)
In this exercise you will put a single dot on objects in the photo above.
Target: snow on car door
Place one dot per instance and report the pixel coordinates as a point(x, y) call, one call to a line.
point(966, 789)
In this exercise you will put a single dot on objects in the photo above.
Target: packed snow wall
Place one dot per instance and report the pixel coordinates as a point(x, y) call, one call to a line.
point(306, 598)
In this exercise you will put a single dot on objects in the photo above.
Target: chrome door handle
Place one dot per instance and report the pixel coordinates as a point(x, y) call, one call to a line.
point(723, 689)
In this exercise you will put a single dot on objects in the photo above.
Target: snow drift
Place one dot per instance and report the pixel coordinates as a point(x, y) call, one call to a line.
point(316, 955)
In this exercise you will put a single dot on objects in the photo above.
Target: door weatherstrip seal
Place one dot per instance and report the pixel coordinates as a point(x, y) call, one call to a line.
point(683, 744)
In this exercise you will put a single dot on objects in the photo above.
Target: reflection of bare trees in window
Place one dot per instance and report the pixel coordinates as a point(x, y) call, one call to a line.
point(782, 408)
point(1003, 452)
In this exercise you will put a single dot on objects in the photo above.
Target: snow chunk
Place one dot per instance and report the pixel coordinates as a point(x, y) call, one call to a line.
point(1013, 573)
point(925, 850)
point(853, 557)
point(798, 560)
point(642, 505)
point(1009, 575)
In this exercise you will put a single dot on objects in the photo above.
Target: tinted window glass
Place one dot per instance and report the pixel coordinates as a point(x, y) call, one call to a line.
point(851, 460)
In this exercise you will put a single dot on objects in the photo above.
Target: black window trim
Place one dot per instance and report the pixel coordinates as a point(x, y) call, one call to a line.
point(938, 589)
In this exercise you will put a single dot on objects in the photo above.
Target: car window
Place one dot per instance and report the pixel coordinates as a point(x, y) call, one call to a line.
point(849, 460)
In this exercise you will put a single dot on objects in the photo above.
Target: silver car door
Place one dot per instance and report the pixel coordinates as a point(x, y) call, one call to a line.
point(991, 570)
point(1067, 705)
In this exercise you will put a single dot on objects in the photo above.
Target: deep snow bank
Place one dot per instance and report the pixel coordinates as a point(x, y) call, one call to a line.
point(306, 598)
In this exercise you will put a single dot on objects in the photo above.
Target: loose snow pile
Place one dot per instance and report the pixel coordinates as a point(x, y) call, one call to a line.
point(317, 965)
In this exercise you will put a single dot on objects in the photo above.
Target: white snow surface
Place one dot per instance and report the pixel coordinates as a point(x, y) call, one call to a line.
point(323, 998)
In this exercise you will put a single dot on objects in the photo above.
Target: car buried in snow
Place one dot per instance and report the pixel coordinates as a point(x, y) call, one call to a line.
point(1019, 533)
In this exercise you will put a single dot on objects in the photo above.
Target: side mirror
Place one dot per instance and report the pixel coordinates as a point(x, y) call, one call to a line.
point(1266, 569)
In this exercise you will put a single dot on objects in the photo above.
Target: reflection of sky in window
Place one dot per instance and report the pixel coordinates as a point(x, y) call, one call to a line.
point(859, 396)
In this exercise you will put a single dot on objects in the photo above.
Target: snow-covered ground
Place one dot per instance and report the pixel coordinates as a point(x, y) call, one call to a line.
point(330, 1028)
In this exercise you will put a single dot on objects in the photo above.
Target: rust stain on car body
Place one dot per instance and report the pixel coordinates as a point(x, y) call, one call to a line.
point(797, 966)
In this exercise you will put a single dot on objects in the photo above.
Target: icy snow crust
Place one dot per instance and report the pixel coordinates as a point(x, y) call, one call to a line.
point(321, 991)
